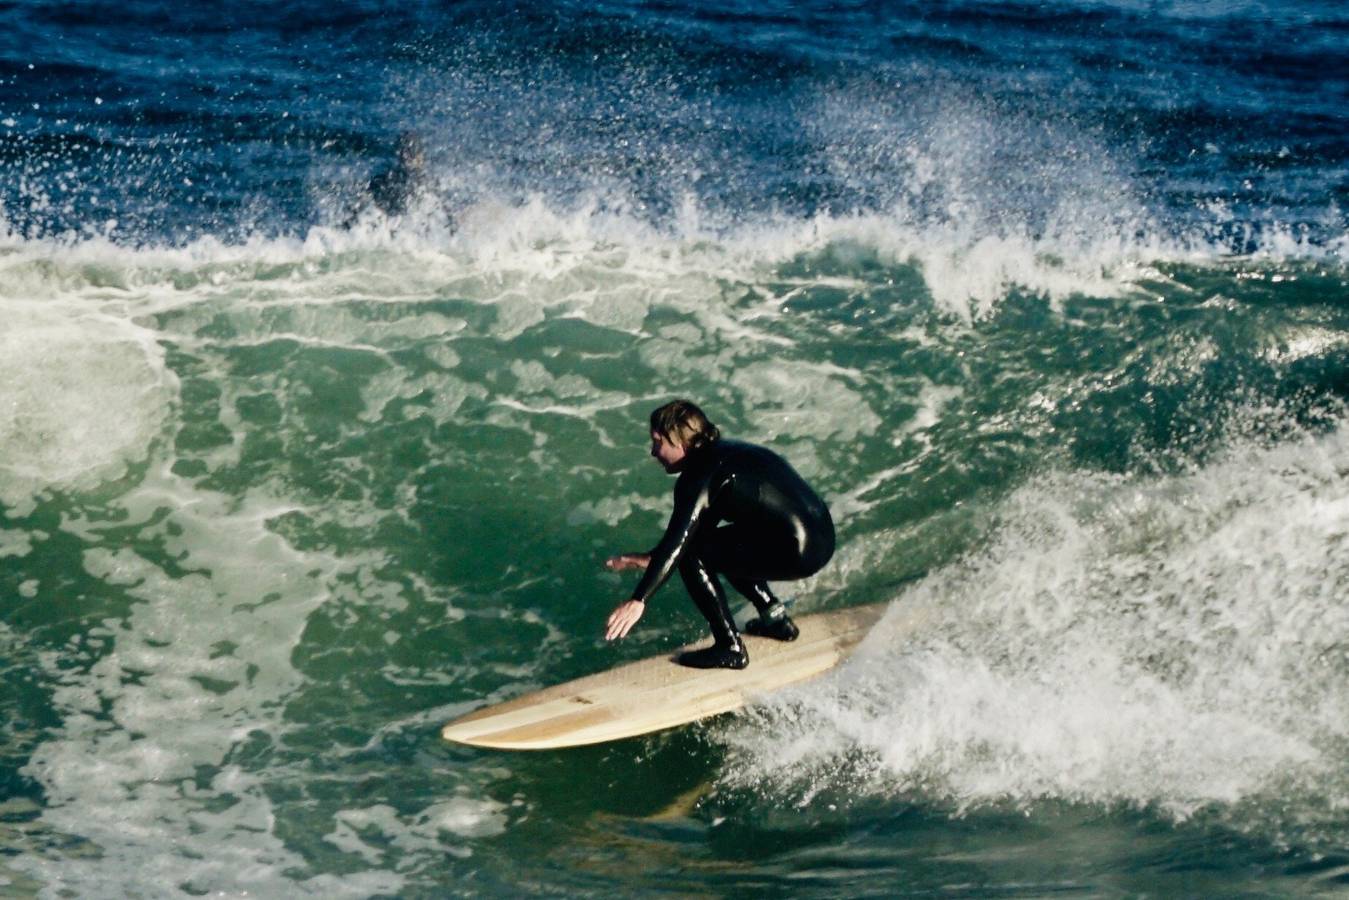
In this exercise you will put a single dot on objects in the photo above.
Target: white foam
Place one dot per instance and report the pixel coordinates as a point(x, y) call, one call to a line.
point(446, 394)
point(613, 510)
point(1167, 642)
point(378, 832)
point(85, 394)
point(531, 261)
point(803, 399)
point(15, 543)
point(201, 665)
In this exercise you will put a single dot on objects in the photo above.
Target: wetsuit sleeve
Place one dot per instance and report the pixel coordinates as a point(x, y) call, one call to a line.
point(691, 497)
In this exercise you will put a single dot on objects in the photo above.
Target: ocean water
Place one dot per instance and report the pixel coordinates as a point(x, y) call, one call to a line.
point(1050, 300)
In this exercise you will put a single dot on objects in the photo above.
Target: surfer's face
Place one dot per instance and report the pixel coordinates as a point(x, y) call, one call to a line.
point(667, 452)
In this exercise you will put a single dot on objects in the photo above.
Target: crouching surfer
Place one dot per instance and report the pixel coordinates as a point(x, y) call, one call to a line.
point(739, 511)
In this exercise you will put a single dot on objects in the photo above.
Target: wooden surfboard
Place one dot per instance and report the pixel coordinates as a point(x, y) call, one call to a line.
point(657, 693)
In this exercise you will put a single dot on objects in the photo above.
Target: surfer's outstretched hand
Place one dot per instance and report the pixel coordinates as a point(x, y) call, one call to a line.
point(627, 561)
point(621, 620)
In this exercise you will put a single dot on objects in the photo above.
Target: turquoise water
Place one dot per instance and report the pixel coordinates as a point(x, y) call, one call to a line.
point(1047, 301)
point(274, 514)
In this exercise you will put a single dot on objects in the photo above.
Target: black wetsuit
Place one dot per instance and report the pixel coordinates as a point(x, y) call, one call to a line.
point(739, 510)
point(392, 189)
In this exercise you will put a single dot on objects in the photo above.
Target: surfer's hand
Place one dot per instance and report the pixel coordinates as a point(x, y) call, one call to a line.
point(621, 620)
point(627, 561)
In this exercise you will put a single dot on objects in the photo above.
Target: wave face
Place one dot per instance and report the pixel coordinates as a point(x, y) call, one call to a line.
point(1048, 302)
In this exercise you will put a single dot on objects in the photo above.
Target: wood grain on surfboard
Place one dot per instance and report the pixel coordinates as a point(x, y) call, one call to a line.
point(657, 693)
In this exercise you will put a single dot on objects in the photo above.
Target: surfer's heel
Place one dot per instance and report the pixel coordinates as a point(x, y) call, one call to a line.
point(716, 657)
point(781, 628)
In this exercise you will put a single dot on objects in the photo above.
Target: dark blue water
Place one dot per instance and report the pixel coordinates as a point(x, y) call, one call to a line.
point(153, 123)
point(1047, 299)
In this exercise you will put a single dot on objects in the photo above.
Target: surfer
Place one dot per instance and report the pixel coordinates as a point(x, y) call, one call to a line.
point(739, 511)
point(398, 184)
point(393, 189)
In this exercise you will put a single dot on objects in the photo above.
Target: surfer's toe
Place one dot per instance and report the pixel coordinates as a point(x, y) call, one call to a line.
point(779, 629)
point(715, 657)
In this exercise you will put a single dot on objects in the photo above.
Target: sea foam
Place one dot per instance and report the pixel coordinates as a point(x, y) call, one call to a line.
point(1174, 642)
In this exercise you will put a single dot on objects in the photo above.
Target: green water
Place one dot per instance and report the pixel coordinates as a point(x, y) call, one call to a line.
point(273, 514)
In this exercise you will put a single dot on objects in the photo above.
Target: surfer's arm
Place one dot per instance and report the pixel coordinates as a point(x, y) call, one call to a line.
point(626, 614)
point(691, 499)
point(690, 502)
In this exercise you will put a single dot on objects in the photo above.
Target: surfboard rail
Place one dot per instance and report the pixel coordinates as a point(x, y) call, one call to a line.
point(657, 693)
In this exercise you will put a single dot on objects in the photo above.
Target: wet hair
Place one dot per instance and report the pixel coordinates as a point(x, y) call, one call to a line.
point(685, 424)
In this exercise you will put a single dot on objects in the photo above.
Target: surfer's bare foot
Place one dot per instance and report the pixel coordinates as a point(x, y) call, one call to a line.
point(715, 657)
point(779, 629)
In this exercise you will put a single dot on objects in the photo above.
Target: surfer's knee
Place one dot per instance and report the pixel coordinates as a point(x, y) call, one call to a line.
point(818, 551)
point(701, 583)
